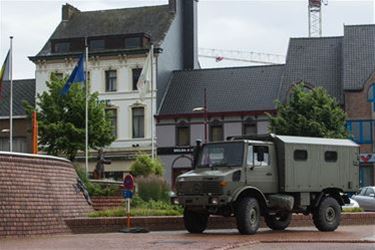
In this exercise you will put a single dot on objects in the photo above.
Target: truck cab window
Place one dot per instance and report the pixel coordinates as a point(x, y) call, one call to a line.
point(258, 155)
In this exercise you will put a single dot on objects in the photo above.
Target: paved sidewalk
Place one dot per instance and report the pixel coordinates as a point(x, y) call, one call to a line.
point(346, 237)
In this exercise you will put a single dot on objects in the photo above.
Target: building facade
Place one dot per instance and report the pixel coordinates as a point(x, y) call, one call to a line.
point(23, 91)
point(239, 98)
point(119, 42)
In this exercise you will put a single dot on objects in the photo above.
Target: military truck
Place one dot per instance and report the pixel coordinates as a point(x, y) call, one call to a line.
point(271, 176)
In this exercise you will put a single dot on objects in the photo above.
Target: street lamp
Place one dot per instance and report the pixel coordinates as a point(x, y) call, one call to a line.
point(5, 130)
point(204, 109)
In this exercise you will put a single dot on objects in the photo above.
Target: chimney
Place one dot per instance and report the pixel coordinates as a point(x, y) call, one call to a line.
point(172, 6)
point(68, 11)
point(189, 29)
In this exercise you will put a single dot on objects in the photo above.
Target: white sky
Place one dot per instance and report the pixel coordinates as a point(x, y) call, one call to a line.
point(249, 25)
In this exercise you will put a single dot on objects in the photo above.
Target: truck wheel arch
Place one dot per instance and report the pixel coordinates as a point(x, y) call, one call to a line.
point(334, 193)
point(252, 192)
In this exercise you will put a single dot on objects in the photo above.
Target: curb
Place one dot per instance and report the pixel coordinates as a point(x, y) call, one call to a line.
point(170, 223)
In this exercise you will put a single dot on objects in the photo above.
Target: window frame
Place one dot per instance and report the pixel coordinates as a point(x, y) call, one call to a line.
point(115, 123)
point(216, 124)
point(108, 79)
point(179, 126)
point(300, 159)
point(139, 135)
point(135, 79)
point(333, 160)
point(247, 123)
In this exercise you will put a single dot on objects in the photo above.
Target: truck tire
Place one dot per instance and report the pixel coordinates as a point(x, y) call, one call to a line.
point(247, 215)
point(327, 215)
point(195, 222)
point(278, 221)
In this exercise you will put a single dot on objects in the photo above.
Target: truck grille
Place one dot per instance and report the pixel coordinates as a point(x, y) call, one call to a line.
point(198, 188)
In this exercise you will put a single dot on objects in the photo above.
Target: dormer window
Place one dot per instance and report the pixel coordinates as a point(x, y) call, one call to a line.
point(62, 47)
point(133, 43)
point(97, 44)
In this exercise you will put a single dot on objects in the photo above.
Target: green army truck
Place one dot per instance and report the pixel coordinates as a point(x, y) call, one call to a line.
point(271, 176)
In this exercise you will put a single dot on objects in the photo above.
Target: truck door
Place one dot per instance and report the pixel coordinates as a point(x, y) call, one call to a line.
point(261, 172)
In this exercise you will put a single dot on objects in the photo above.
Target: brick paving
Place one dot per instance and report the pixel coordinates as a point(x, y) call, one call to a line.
point(346, 237)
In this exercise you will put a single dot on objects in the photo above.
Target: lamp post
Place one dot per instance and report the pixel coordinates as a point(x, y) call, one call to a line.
point(205, 114)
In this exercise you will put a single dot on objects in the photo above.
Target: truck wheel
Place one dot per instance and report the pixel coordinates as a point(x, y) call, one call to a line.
point(247, 215)
point(327, 216)
point(195, 222)
point(278, 221)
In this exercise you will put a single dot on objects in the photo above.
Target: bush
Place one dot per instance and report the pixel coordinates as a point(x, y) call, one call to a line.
point(352, 210)
point(141, 208)
point(144, 165)
point(152, 188)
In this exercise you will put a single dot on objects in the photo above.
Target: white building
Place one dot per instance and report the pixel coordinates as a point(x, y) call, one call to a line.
point(119, 41)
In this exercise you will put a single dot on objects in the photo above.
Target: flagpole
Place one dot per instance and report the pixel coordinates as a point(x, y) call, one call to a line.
point(86, 111)
point(11, 96)
point(152, 103)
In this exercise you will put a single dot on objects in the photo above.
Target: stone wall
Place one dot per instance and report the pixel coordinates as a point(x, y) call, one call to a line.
point(37, 194)
point(107, 202)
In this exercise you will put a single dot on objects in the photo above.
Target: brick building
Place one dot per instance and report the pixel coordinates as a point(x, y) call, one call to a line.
point(23, 90)
point(238, 98)
point(119, 41)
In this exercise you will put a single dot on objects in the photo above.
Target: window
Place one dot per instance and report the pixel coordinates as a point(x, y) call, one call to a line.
point(216, 131)
point(112, 113)
point(182, 135)
point(97, 44)
point(19, 144)
point(110, 80)
point(261, 150)
point(138, 122)
point(133, 43)
point(360, 131)
point(249, 127)
point(369, 191)
point(371, 96)
point(250, 155)
point(221, 154)
point(330, 156)
point(300, 155)
point(62, 47)
point(136, 73)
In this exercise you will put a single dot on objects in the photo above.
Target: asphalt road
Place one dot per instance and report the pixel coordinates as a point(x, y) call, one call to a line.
point(346, 237)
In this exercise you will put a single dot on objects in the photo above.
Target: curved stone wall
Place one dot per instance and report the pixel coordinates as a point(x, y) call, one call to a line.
point(37, 194)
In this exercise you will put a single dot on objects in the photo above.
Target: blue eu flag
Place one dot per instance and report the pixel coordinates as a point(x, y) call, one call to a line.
point(78, 75)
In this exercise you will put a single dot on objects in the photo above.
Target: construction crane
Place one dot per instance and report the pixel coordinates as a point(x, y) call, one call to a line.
point(241, 56)
point(315, 17)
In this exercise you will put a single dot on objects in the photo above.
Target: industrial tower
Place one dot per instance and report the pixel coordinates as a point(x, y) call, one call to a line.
point(315, 17)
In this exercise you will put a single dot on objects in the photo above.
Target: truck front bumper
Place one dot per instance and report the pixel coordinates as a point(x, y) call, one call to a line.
point(202, 200)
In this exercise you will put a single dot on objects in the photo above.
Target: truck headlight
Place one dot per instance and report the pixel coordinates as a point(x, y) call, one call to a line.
point(175, 201)
point(214, 201)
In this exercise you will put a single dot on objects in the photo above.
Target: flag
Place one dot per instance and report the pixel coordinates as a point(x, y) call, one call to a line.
point(5, 70)
point(145, 77)
point(78, 75)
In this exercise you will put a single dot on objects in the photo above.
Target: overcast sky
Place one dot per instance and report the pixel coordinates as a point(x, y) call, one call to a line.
point(249, 25)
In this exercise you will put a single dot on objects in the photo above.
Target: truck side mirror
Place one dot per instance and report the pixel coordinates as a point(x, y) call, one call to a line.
point(196, 151)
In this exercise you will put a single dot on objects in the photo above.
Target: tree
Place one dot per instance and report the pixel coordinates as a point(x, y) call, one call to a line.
point(309, 113)
point(61, 120)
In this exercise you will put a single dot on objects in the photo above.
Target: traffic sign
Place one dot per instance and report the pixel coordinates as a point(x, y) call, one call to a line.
point(129, 182)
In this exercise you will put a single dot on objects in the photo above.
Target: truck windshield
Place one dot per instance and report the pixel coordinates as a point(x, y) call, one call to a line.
point(221, 155)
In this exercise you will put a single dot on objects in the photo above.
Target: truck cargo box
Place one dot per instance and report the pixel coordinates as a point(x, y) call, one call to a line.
point(308, 164)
